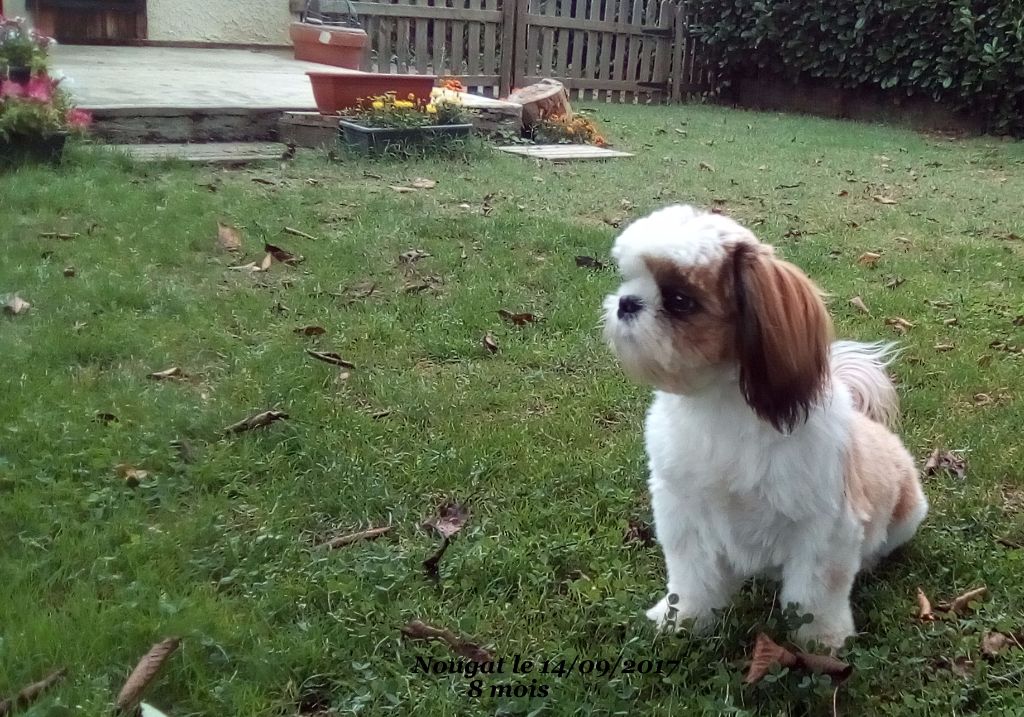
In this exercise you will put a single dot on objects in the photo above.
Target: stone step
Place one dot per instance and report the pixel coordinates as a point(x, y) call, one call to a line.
point(230, 153)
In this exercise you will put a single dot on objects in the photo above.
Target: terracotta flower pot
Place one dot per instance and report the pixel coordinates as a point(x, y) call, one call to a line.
point(336, 91)
point(328, 45)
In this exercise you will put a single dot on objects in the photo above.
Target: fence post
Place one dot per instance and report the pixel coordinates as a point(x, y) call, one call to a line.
point(506, 72)
point(680, 49)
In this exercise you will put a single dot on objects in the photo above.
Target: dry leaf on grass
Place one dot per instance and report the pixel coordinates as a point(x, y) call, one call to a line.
point(310, 330)
point(259, 420)
point(705, 167)
point(490, 344)
point(767, 653)
point(895, 282)
point(993, 643)
point(402, 190)
point(858, 303)
point(144, 673)
point(869, 259)
point(228, 238)
point(168, 373)
point(589, 262)
point(899, 324)
point(417, 630)
point(282, 255)
point(131, 475)
point(884, 200)
point(842, 193)
point(924, 607)
point(330, 357)
point(343, 540)
point(70, 272)
point(30, 693)
point(422, 183)
point(517, 319)
point(16, 305)
point(105, 418)
point(961, 604)
point(431, 564)
point(948, 461)
point(942, 348)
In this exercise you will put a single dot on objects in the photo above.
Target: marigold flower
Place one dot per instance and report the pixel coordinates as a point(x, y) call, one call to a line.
point(378, 105)
point(404, 105)
point(431, 109)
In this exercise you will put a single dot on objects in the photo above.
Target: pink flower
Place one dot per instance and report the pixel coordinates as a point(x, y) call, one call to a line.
point(78, 119)
point(40, 88)
point(10, 89)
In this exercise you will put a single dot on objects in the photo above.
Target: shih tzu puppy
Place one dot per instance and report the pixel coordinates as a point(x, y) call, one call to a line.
point(768, 443)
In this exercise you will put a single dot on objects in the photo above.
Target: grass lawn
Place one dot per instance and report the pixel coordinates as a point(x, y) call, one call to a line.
point(541, 439)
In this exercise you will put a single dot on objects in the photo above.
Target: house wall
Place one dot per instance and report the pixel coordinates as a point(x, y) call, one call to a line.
point(252, 22)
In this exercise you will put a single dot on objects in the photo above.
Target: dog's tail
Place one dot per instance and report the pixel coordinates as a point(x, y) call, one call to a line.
point(861, 367)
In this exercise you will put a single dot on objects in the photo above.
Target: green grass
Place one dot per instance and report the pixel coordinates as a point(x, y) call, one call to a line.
point(542, 439)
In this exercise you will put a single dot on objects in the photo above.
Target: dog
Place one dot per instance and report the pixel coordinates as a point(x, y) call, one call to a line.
point(769, 444)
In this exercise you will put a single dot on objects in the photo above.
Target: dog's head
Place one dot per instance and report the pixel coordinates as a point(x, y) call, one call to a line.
point(702, 300)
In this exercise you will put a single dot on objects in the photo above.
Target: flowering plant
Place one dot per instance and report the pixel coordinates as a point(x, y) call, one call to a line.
point(37, 109)
point(21, 46)
point(387, 111)
point(559, 129)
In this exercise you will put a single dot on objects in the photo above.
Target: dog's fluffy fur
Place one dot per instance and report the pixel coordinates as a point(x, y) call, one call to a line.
point(769, 444)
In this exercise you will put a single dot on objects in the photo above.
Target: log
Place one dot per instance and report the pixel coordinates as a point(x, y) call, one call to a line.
point(542, 100)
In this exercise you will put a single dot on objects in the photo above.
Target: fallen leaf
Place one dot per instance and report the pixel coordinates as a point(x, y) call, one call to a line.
point(432, 563)
point(228, 238)
point(144, 673)
point(767, 653)
point(639, 532)
point(167, 373)
point(993, 643)
point(858, 303)
point(105, 418)
point(490, 344)
point(953, 321)
point(16, 305)
point(869, 259)
point(70, 272)
point(949, 461)
point(942, 348)
point(884, 200)
point(330, 357)
point(402, 190)
point(842, 193)
point(343, 540)
point(310, 330)
point(589, 262)
point(899, 324)
point(412, 256)
point(450, 519)
point(961, 604)
point(924, 607)
point(706, 167)
point(417, 630)
point(517, 319)
point(421, 183)
point(281, 255)
point(268, 259)
point(895, 282)
point(258, 420)
point(267, 182)
point(30, 693)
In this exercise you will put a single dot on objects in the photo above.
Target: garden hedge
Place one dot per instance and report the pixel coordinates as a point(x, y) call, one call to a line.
point(967, 54)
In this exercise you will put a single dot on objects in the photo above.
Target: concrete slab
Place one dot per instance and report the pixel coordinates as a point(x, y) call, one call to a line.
point(129, 78)
point(564, 152)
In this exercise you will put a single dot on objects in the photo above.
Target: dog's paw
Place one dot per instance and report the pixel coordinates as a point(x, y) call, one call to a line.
point(828, 636)
point(663, 615)
point(669, 614)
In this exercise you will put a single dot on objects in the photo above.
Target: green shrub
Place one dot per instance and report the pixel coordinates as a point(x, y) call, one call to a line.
point(968, 54)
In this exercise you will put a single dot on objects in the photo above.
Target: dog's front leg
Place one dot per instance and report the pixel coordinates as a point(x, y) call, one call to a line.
point(819, 583)
point(699, 579)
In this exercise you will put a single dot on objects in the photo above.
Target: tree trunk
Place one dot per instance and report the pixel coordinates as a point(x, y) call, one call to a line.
point(545, 99)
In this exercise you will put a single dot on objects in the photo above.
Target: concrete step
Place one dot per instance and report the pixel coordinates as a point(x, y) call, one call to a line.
point(228, 153)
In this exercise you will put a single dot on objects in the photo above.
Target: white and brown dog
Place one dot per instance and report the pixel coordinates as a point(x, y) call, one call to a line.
point(768, 443)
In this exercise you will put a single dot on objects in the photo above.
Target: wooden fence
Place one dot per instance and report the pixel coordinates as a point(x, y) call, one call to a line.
point(605, 50)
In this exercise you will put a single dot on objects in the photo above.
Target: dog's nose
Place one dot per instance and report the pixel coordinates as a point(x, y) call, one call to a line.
point(629, 305)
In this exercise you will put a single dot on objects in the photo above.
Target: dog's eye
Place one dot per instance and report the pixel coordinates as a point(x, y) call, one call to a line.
point(679, 303)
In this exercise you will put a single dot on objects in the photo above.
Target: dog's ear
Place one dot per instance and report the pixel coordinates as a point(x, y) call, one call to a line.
point(783, 337)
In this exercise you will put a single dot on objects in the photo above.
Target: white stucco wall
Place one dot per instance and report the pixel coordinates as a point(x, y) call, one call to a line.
point(249, 22)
